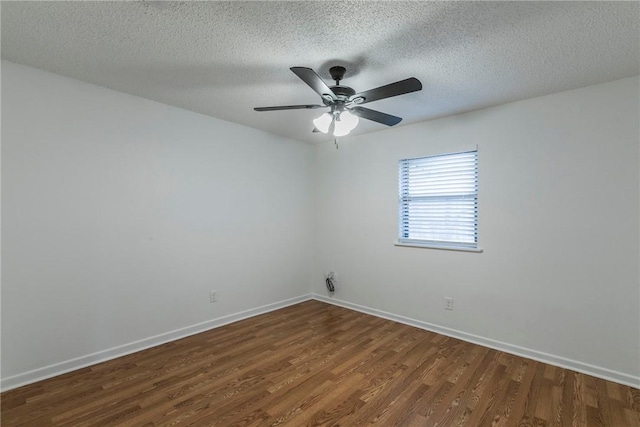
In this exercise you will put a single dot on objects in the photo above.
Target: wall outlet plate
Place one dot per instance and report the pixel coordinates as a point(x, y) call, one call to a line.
point(213, 296)
point(448, 303)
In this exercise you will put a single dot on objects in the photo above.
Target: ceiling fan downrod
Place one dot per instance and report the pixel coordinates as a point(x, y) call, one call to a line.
point(337, 73)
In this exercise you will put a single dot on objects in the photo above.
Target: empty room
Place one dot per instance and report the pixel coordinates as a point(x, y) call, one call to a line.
point(319, 213)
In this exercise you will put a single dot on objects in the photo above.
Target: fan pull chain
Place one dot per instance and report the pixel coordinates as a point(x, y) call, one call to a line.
point(335, 141)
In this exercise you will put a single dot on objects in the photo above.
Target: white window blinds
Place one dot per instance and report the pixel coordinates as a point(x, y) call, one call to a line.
point(438, 200)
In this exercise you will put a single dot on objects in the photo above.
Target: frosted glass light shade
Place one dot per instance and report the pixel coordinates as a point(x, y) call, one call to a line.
point(342, 128)
point(322, 123)
point(350, 120)
point(346, 124)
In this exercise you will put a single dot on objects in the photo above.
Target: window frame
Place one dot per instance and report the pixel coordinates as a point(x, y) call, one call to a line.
point(404, 200)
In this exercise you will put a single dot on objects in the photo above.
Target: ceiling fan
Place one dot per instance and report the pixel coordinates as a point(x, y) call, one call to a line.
point(345, 103)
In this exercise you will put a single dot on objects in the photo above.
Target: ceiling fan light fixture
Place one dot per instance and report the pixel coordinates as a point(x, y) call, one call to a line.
point(323, 122)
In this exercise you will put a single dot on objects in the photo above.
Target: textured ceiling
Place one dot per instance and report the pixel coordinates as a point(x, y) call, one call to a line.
point(224, 58)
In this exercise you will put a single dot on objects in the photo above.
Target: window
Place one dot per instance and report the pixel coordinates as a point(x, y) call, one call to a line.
point(438, 201)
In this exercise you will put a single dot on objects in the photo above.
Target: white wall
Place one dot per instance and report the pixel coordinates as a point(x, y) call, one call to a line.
point(558, 220)
point(120, 214)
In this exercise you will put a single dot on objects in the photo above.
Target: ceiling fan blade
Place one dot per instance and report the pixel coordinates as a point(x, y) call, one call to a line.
point(376, 116)
point(393, 89)
point(290, 107)
point(314, 81)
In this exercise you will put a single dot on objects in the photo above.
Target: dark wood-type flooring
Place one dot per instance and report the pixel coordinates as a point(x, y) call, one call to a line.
point(318, 364)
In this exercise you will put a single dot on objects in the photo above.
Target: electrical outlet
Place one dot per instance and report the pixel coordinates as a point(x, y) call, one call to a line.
point(448, 303)
point(213, 296)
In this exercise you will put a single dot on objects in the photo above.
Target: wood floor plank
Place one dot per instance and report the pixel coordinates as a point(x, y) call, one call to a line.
point(315, 364)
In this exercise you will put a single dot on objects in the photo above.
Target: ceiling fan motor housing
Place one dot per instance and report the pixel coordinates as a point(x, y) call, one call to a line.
point(342, 92)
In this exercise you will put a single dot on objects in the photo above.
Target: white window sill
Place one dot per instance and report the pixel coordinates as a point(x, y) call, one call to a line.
point(434, 246)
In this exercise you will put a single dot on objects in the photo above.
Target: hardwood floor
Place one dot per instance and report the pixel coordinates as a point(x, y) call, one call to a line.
point(318, 364)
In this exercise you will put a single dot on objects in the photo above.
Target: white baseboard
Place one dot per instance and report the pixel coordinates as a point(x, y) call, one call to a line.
point(112, 353)
point(123, 350)
point(562, 362)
